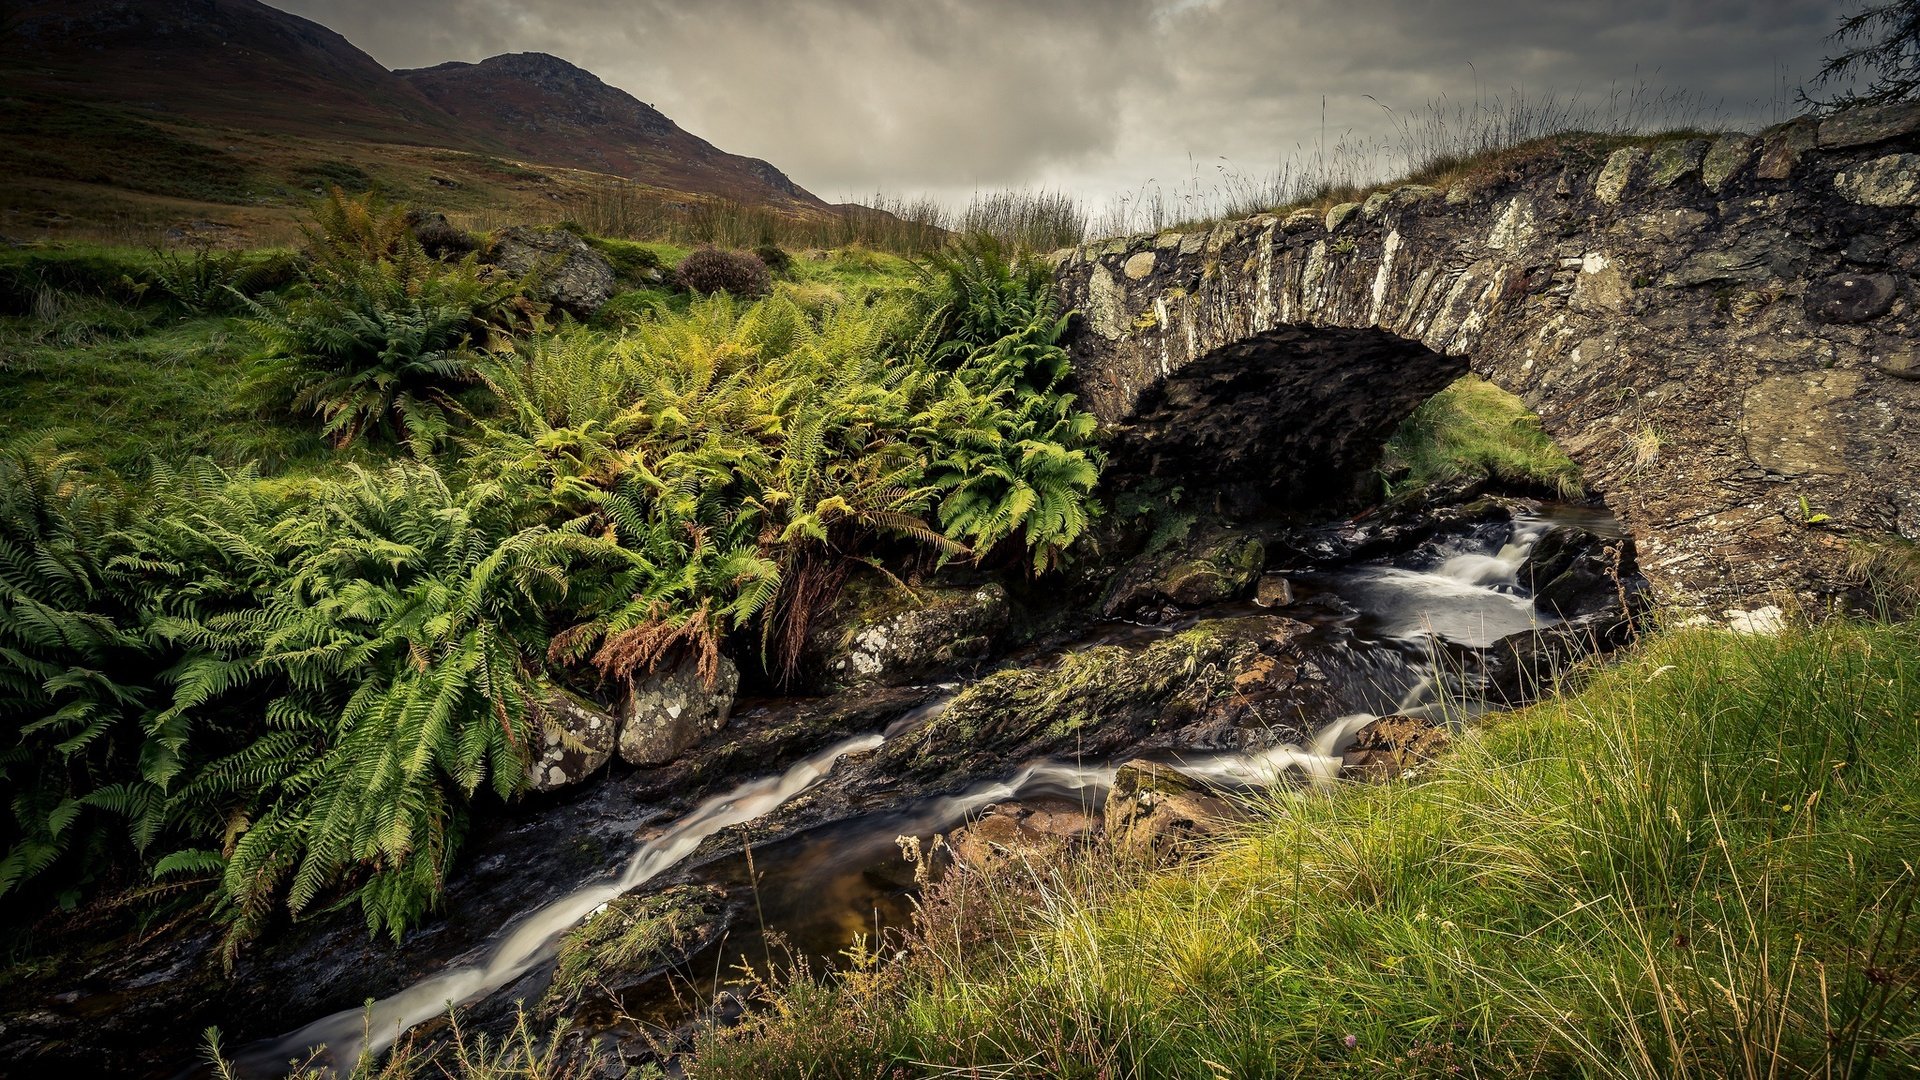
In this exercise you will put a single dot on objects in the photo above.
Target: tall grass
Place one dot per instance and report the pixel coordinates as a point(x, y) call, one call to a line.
point(1032, 221)
point(1432, 143)
point(1702, 865)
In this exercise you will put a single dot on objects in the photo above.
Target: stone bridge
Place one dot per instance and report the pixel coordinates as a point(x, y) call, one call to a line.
point(1720, 332)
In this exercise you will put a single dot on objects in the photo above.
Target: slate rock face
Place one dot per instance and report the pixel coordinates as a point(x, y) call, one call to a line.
point(1722, 334)
point(568, 273)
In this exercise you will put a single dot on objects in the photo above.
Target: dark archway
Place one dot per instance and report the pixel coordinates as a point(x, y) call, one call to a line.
point(1293, 416)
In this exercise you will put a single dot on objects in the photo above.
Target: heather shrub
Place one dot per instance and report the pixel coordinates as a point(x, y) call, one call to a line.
point(736, 273)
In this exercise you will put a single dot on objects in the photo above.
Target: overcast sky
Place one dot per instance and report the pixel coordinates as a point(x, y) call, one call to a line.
point(1098, 97)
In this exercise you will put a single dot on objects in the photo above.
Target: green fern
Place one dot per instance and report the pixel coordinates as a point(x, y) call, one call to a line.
point(378, 338)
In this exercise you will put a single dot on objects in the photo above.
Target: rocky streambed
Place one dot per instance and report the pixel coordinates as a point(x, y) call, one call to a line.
point(1132, 705)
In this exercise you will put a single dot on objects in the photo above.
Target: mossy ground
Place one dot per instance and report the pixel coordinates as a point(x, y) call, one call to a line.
point(1475, 429)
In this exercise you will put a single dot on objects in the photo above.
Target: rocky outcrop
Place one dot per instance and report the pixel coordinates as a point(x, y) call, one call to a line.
point(565, 270)
point(669, 712)
point(1155, 808)
point(1721, 333)
point(877, 634)
point(1390, 746)
point(573, 738)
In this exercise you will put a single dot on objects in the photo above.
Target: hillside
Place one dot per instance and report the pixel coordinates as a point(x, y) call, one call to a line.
point(124, 117)
point(544, 109)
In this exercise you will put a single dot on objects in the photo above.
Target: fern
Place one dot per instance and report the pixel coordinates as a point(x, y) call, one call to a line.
point(378, 338)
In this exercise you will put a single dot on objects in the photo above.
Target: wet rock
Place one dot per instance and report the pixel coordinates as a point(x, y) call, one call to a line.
point(1155, 808)
point(1572, 572)
point(1027, 831)
point(1215, 566)
point(1521, 668)
point(1391, 746)
point(633, 939)
point(877, 634)
point(573, 739)
point(1098, 700)
point(568, 273)
point(671, 711)
point(1275, 590)
point(1452, 508)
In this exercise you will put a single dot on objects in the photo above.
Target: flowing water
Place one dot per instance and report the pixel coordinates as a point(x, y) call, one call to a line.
point(1382, 630)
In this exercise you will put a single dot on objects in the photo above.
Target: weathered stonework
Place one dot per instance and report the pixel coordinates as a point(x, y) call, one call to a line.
point(1722, 335)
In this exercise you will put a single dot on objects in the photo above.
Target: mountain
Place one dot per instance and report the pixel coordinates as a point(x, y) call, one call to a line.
point(145, 112)
point(233, 63)
point(545, 109)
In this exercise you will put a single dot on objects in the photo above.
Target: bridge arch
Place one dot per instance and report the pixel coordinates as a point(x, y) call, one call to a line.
point(1720, 332)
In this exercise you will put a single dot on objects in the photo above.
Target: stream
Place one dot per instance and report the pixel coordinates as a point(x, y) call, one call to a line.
point(1388, 632)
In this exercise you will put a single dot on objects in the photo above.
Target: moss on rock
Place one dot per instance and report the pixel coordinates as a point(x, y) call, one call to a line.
point(1099, 699)
point(632, 938)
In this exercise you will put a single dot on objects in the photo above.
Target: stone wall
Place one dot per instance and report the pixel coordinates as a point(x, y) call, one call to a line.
point(1721, 332)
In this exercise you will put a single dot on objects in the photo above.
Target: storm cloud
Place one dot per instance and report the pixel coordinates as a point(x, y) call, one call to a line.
point(1098, 97)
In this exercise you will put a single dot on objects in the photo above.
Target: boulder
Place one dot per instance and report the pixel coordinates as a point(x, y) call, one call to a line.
point(567, 272)
point(1390, 746)
point(634, 938)
point(1155, 808)
point(1572, 572)
point(1212, 567)
point(1275, 590)
point(1018, 832)
point(573, 738)
point(876, 634)
point(670, 711)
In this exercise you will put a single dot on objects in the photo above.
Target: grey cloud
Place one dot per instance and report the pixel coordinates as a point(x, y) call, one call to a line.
point(1094, 96)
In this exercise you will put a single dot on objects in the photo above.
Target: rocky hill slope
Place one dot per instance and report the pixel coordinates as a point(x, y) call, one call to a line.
point(136, 113)
point(544, 109)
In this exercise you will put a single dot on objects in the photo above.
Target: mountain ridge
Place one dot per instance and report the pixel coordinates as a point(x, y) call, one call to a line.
point(117, 110)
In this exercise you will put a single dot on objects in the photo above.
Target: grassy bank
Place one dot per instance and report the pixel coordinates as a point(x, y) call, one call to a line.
point(1702, 864)
point(1475, 429)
